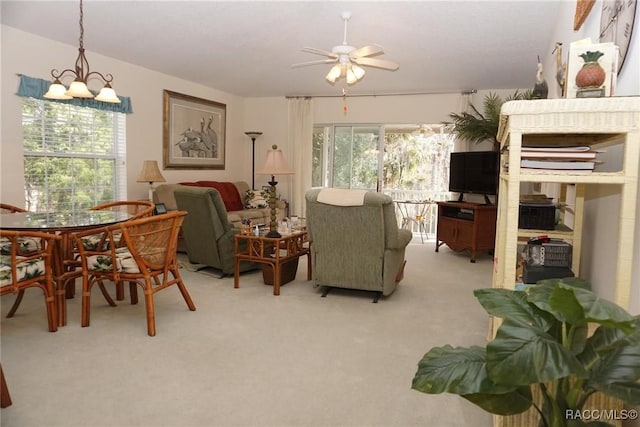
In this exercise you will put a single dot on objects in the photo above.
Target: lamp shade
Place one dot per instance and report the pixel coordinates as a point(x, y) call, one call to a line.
point(57, 91)
point(253, 135)
point(275, 164)
point(78, 89)
point(107, 94)
point(150, 172)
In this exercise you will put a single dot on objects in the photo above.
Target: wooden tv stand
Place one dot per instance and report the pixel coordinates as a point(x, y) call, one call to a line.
point(466, 227)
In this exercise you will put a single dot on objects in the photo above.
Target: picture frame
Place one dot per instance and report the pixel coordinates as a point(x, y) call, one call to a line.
point(194, 132)
point(160, 209)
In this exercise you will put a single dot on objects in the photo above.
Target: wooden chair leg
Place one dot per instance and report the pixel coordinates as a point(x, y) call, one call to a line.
point(133, 292)
point(106, 294)
point(16, 304)
point(151, 317)
point(52, 312)
point(183, 290)
point(5, 397)
point(120, 291)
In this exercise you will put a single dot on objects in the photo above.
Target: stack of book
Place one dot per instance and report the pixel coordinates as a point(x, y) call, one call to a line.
point(576, 158)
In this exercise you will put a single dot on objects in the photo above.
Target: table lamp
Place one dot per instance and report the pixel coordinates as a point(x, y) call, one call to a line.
point(150, 173)
point(275, 164)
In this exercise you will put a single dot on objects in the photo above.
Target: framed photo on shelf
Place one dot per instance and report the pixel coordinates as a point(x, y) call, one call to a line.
point(194, 132)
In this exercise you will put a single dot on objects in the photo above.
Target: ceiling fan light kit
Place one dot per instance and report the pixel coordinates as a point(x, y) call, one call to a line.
point(348, 60)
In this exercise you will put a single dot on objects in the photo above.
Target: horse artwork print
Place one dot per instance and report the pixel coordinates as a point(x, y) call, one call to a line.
point(194, 132)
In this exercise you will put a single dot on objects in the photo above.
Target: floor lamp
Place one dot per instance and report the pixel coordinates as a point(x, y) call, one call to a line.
point(253, 136)
point(274, 165)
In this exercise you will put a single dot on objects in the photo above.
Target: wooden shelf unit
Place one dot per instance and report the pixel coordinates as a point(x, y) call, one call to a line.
point(596, 122)
point(466, 226)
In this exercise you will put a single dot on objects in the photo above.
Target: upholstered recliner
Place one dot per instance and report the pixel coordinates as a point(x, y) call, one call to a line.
point(355, 240)
point(207, 232)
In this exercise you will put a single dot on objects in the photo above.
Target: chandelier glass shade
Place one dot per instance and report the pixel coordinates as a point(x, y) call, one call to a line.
point(81, 73)
point(351, 72)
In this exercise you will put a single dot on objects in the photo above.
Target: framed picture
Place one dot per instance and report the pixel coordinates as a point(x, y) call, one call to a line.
point(194, 132)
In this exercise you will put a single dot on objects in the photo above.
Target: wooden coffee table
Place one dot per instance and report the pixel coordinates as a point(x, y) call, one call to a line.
point(262, 249)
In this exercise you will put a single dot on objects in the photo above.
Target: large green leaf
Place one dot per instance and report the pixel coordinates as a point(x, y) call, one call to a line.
point(620, 365)
point(605, 340)
point(554, 296)
point(564, 304)
point(458, 370)
point(511, 305)
point(627, 392)
point(510, 403)
point(462, 371)
point(521, 355)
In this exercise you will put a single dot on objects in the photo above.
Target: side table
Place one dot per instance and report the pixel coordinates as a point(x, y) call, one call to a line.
point(272, 251)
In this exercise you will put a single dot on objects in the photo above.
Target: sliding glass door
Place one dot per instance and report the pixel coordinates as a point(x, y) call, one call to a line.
point(355, 157)
point(398, 160)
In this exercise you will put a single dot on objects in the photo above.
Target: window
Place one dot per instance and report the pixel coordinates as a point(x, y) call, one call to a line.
point(396, 160)
point(74, 157)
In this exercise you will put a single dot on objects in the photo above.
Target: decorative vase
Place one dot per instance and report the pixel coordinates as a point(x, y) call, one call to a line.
point(591, 74)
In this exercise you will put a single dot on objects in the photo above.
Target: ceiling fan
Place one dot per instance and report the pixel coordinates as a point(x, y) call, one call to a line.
point(348, 59)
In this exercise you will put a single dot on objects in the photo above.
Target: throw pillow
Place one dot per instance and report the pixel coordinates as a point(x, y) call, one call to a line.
point(256, 199)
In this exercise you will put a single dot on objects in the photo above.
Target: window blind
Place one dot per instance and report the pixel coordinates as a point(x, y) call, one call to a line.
point(74, 157)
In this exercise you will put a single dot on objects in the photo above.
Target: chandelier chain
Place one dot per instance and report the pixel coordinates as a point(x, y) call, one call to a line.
point(81, 41)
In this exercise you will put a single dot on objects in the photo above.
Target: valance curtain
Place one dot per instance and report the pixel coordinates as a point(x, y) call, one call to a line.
point(36, 88)
point(301, 143)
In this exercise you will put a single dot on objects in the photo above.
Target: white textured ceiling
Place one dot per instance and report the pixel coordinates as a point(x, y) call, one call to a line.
point(247, 48)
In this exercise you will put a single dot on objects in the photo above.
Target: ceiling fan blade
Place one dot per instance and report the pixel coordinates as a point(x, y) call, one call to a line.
point(320, 52)
point(376, 63)
point(319, 61)
point(370, 50)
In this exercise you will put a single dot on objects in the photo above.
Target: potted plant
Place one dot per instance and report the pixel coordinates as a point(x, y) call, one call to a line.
point(543, 340)
point(476, 126)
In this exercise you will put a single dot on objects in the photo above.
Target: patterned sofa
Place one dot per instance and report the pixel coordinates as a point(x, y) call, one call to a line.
point(236, 198)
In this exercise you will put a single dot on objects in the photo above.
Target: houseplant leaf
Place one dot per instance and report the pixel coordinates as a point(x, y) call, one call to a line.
point(596, 310)
point(463, 371)
point(522, 355)
point(513, 305)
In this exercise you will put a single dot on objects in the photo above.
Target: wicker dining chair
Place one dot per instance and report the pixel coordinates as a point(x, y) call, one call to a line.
point(6, 208)
point(142, 252)
point(26, 261)
point(137, 209)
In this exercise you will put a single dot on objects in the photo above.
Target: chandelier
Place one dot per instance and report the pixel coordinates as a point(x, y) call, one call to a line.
point(78, 88)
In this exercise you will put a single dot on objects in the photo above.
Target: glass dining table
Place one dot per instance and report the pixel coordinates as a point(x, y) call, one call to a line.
point(62, 223)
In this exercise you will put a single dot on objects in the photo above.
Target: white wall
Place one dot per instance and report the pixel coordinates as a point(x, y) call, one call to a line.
point(35, 56)
point(603, 202)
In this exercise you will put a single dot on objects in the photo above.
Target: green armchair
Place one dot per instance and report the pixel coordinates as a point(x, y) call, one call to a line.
point(207, 232)
point(355, 240)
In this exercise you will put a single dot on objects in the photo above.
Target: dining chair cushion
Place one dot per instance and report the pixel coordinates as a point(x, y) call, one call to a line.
point(26, 245)
point(27, 269)
point(124, 262)
point(92, 242)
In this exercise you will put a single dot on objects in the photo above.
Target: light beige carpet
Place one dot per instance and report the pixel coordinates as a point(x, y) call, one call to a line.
point(248, 358)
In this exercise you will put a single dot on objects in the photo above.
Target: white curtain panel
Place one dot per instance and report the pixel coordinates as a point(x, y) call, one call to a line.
point(301, 143)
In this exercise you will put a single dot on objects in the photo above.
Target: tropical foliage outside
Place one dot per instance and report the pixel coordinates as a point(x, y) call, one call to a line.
point(71, 156)
point(413, 165)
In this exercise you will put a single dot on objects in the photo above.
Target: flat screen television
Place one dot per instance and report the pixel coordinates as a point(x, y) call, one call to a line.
point(474, 172)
